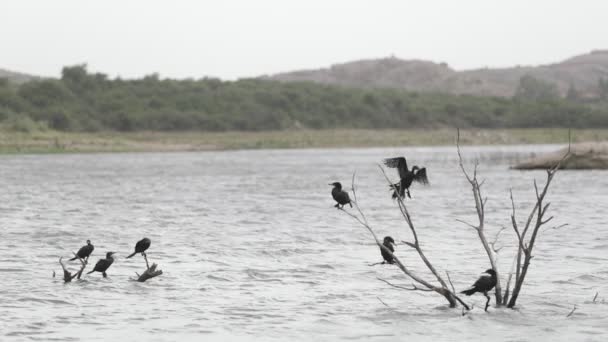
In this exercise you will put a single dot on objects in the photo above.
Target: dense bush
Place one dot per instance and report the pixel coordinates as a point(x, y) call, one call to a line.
point(81, 101)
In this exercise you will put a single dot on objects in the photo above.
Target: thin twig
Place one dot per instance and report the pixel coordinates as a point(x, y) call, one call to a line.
point(413, 288)
point(572, 312)
point(381, 301)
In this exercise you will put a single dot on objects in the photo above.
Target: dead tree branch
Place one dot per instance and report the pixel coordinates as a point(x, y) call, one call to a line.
point(443, 290)
point(480, 203)
point(67, 275)
point(525, 247)
point(572, 312)
point(413, 288)
point(150, 272)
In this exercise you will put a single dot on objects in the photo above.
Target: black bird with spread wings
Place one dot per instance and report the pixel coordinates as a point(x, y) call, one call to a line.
point(84, 251)
point(406, 176)
point(340, 195)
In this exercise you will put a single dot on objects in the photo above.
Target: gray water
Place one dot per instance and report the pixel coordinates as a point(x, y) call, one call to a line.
point(252, 248)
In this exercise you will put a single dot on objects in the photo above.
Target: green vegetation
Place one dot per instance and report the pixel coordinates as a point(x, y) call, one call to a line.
point(86, 102)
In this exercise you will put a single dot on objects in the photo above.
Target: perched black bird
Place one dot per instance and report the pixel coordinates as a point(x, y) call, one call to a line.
point(84, 251)
point(485, 283)
point(388, 243)
point(340, 196)
point(103, 264)
point(141, 246)
point(407, 177)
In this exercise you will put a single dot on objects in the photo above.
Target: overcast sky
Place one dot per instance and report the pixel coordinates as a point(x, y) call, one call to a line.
point(231, 39)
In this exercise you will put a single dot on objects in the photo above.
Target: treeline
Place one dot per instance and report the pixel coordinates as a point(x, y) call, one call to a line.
point(82, 101)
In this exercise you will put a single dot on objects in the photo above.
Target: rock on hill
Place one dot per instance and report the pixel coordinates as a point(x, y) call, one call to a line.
point(583, 72)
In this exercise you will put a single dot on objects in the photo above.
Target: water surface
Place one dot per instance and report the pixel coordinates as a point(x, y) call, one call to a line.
point(252, 248)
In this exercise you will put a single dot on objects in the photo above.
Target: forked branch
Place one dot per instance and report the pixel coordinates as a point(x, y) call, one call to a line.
point(443, 290)
point(480, 204)
point(525, 247)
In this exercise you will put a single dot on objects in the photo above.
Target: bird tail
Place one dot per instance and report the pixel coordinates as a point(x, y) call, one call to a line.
point(132, 254)
point(469, 291)
point(91, 272)
point(74, 258)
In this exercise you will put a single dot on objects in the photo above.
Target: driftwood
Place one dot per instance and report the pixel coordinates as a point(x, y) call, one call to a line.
point(150, 272)
point(67, 275)
point(442, 288)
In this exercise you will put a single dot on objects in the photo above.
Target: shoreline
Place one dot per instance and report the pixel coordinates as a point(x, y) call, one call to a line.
point(100, 142)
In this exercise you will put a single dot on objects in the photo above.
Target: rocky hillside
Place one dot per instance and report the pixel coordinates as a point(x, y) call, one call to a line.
point(583, 72)
point(16, 77)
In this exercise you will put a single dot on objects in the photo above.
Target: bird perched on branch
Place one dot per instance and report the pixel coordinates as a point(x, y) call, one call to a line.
point(485, 283)
point(103, 264)
point(388, 243)
point(141, 246)
point(84, 251)
point(340, 196)
point(406, 176)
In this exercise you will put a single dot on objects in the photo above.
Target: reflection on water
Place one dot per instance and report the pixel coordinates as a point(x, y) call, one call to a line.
point(252, 248)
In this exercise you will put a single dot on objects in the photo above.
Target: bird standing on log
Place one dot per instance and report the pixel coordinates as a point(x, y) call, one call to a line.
point(103, 264)
point(141, 246)
point(84, 251)
point(340, 196)
point(406, 176)
point(388, 243)
point(485, 283)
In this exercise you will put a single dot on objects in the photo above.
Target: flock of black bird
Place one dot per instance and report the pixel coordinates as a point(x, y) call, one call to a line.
point(400, 189)
point(103, 264)
point(486, 281)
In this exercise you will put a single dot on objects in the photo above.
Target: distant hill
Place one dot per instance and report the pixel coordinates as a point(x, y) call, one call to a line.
point(16, 77)
point(583, 72)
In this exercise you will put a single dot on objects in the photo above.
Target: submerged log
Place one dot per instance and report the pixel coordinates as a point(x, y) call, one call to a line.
point(589, 155)
point(150, 272)
point(67, 275)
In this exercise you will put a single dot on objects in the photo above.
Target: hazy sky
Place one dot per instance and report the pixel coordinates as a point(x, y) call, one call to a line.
point(231, 39)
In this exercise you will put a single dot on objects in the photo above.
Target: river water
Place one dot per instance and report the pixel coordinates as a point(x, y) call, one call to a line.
point(253, 249)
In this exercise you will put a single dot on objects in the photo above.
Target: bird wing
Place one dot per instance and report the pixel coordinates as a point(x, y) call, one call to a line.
point(421, 177)
point(399, 163)
point(100, 264)
point(82, 252)
point(343, 197)
point(484, 282)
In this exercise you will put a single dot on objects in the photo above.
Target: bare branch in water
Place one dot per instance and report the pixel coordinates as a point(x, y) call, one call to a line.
point(451, 297)
point(572, 312)
point(480, 204)
point(413, 288)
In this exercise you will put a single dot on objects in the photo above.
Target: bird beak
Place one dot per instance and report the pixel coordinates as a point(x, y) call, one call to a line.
point(330, 184)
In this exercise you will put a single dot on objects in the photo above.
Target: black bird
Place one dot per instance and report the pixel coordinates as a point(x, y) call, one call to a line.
point(485, 283)
point(340, 196)
point(84, 251)
point(388, 243)
point(141, 246)
point(406, 176)
point(103, 264)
